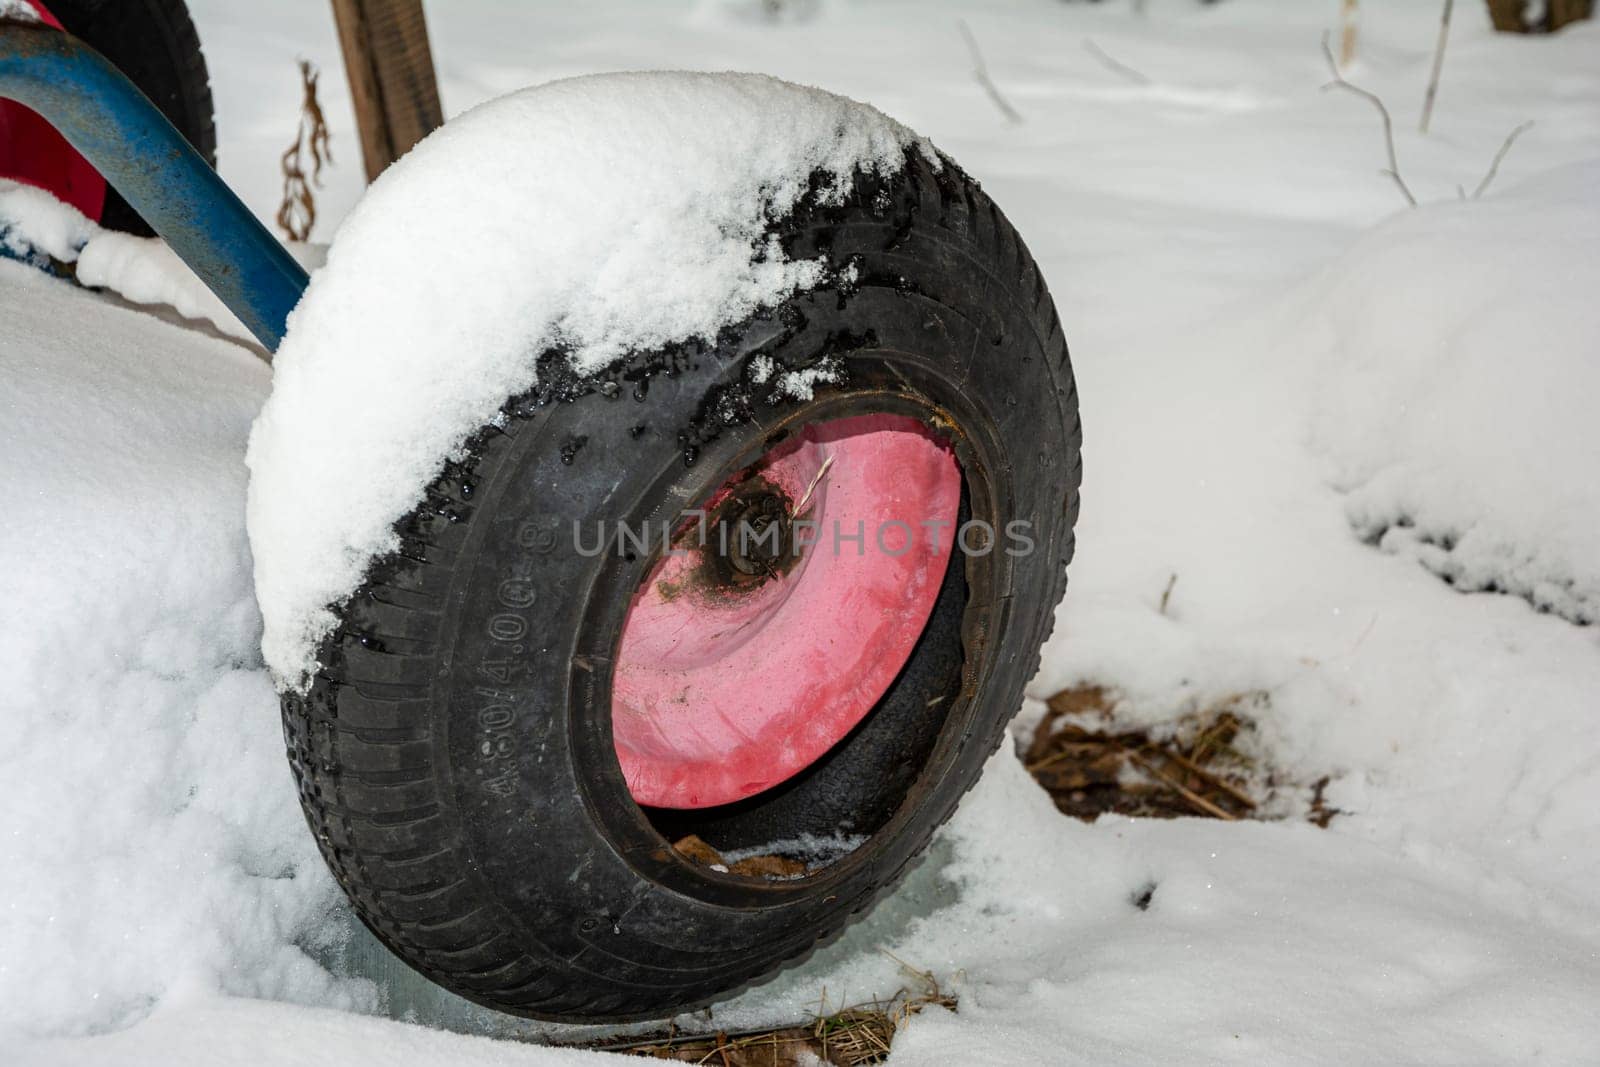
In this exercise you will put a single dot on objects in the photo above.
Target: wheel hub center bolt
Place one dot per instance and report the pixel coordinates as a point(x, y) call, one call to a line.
point(758, 534)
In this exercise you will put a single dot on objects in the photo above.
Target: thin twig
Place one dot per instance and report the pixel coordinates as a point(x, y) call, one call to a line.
point(930, 983)
point(1206, 776)
point(1039, 765)
point(1388, 123)
point(1110, 62)
point(1494, 164)
point(1373, 622)
point(1438, 65)
point(980, 70)
point(815, 478)
point(1194, 799)
point(1065, 753)
point(1166, 594)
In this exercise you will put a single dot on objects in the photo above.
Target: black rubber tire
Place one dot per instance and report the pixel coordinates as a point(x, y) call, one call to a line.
point(155, 44)
point(454, 752)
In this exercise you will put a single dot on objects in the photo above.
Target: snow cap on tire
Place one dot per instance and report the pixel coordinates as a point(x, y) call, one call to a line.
point(598, 215)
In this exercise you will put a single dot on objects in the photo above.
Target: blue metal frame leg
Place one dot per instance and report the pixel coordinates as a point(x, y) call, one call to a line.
point(132, 144)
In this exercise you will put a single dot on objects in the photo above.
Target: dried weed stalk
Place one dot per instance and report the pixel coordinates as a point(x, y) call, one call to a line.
point(298, 211)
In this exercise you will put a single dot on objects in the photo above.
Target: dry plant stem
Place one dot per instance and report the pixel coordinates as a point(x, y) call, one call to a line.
point(1438, 65)
point(1388, 123)
point(1048, 761)
point(1166, 594)
point(980, 70)
point(1210, 779)
point(861, 1034)
point(813, 486)
point(298, 211)
point(1114, 64)
point(1197, 801)
point(930, 984)
point(1211, 740)
point(1494, 164)
point(1065, 754)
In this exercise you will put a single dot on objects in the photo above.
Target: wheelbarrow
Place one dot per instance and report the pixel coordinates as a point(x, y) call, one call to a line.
point(677, 662)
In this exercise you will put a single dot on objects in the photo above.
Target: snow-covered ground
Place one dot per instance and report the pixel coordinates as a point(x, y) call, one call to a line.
point(1363, 437)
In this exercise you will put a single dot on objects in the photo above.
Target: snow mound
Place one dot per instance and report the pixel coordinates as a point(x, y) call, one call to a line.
point(597, 215)
point(32, 222)
point(1453, 346)
point(36, 227)
point(20, 10)
point(153, 841)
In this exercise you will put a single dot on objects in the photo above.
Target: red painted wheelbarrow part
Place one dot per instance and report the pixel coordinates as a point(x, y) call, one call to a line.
point(727, 682)
point(33, 153)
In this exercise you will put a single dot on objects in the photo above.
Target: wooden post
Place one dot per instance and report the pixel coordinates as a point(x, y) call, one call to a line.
point(1509, 16)
point(1349, 17)
point(392, 83)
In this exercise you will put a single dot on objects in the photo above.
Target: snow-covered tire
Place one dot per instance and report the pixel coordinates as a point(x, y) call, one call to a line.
point(155, 44)
point(454, 752)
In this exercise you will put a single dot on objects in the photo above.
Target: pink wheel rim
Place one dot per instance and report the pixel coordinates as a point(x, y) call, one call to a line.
point(784, 612)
